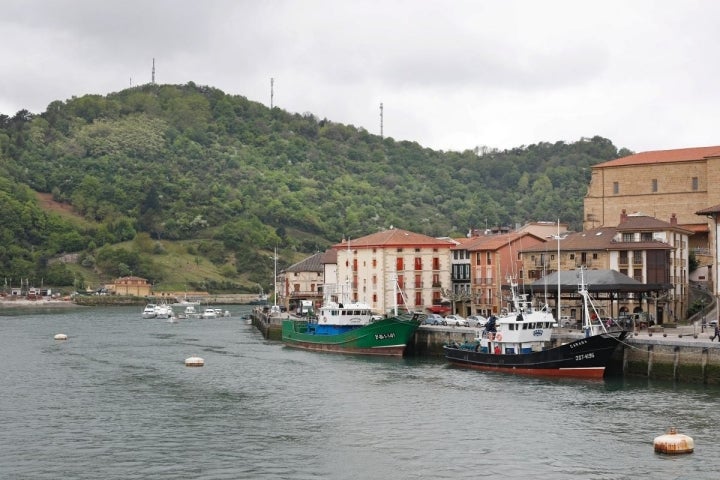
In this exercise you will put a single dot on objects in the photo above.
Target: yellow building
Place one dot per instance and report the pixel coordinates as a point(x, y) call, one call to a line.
point(659, 184)
point(135, 286)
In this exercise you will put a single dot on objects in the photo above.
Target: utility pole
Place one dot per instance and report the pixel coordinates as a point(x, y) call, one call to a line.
point(272, 91)
point(381, 120)
point(153, 73)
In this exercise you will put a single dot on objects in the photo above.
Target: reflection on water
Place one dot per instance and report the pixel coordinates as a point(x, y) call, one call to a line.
point(116, 401)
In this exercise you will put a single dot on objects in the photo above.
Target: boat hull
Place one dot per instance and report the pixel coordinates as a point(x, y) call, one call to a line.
point(583, 358)
point(386, 337)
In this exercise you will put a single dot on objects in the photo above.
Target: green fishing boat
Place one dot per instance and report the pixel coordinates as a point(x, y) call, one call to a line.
point(351, 328)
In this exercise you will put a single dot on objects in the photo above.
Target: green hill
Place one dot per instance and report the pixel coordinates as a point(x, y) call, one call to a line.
point(188, 186)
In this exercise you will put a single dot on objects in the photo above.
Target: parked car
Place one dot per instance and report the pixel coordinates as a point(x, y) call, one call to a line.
point(433, 319)
point(456, 320)
point(477, 320)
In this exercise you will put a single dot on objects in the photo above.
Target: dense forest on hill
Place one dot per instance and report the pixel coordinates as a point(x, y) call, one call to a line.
point(230, 179)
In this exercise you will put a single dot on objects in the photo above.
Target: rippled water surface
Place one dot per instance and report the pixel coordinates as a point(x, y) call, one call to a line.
point(115, 401)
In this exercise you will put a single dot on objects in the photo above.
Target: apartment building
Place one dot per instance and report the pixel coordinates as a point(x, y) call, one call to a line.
point(651, 251)
point(395, 267)
point(481, 267)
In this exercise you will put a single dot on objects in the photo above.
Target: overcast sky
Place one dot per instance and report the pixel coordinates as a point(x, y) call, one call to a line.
point(451, 75)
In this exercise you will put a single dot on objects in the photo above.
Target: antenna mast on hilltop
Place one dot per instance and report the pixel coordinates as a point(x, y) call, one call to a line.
point(381, 120)
point(272, 91)
point(153, 73)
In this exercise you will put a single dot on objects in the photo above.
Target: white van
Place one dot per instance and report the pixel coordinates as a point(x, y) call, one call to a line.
point(305, 308)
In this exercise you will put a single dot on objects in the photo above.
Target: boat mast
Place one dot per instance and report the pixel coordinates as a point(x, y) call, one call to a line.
point(275, 279)
point(588, 326)
point(558, 271)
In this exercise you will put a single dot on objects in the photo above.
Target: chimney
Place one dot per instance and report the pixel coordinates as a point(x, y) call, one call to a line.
point(673, 220)
point(623, 215)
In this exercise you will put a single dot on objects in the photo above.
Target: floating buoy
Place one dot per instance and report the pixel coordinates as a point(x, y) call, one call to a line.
point(60, 336)
point(673, 443)
point(194, 362)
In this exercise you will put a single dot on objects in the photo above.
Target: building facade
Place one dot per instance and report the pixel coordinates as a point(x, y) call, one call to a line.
point(484, 265)
point(395, 267)
point(135, 286)
point(302, 281)
point(658, 184)
point(651, 251)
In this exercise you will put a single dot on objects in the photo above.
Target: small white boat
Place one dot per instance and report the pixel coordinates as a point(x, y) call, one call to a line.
point(190, 312)
point(150, 311)
point(163, 311)
point(209, 313)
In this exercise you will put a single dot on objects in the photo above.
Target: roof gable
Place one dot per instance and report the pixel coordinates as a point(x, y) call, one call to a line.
point(495, 242)
point(310, 264)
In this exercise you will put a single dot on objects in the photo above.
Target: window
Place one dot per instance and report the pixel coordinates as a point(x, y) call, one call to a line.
point(418, 298)
point(436, 280)
point(695, 183)
point(616, 188)
point(436, 263)
point(489, 258)
point(399, 264)
point(401, 281)
point(418, 263)
point(627, 237)
point(654, 185)
point(418, 281)
point(646, 236)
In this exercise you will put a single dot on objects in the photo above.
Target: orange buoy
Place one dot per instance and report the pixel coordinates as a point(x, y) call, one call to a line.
point(673, 443)
point(60, 336)
point(194, 362)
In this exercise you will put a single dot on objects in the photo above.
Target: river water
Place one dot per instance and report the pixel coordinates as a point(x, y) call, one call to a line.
point(116, 401)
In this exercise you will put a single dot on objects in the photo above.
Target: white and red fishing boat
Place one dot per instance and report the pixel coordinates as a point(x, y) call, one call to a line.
point(520, 342)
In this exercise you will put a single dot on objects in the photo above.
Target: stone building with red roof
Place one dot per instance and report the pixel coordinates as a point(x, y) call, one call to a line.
point(660, 184)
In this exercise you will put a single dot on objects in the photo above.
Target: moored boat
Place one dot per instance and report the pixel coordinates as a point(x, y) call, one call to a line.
point(190, 312)
point(163, 310)
point(209, 313)
point(351, 327)
point(150, 311)
point(520, 342)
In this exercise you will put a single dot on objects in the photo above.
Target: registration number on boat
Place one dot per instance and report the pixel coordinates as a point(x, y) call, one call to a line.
point(585, 356)
point(384, 336)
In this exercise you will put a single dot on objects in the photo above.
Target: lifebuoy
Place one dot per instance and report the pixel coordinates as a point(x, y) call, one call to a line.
point(498, 337)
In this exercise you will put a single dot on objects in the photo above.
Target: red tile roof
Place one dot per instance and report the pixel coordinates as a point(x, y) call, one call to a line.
point(395, 237)
point(493, 242)
point(663, 156)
